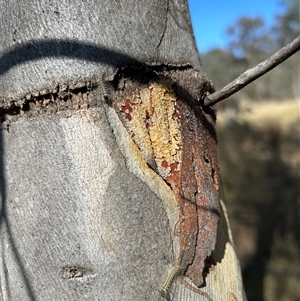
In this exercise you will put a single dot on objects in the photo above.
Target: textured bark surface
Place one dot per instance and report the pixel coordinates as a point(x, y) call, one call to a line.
point(84, 213)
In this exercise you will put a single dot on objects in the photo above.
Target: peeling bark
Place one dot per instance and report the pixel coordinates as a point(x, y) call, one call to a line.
point(177, 141)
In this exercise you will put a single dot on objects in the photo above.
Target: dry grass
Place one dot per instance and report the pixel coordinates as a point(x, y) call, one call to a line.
point(280, 115)
point(284, 114)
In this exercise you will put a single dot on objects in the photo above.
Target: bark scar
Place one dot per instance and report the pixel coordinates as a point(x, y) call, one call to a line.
point(171, 130)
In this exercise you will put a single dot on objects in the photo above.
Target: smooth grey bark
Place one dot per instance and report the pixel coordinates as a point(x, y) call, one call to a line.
point(44, 43)
point(70, 201)
point(82, 216)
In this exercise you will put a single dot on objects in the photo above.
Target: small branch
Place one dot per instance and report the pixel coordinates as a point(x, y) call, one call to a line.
point(252, 74)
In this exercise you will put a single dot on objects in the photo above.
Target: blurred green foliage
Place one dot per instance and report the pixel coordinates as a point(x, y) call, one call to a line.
point(251, 41)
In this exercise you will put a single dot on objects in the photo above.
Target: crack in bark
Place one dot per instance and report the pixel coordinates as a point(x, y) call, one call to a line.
point(59, 99)
point(165, 26)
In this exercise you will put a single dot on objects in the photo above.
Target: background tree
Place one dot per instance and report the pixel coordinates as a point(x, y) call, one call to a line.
point(286, 27)
point(251, 40)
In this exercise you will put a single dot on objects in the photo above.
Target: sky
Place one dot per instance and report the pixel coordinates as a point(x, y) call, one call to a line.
point(211, 18)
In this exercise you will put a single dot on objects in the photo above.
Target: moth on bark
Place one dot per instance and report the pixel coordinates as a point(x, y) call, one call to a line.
point(163, 114)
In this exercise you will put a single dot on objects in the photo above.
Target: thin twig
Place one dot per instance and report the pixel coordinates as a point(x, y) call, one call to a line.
point(252, 74)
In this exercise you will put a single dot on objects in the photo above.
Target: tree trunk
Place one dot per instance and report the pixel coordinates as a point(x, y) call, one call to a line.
point(109, 172)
